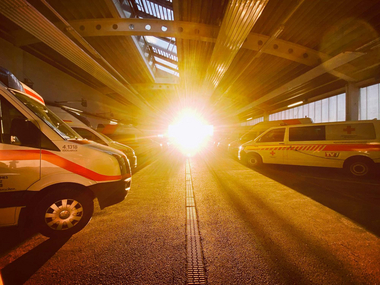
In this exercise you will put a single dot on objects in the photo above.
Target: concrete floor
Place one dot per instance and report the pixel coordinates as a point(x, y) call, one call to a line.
point(274, 225)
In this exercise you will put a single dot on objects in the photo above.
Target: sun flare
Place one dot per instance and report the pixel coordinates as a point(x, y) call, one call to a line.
point(189, 132)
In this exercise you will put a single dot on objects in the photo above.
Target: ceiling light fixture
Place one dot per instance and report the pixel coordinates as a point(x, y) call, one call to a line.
point(295, 104)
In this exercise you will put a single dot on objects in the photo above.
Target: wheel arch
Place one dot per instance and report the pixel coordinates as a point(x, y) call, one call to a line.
point(359, 166)
point(254, 154)
point(58, 179)
point(357, 157)
point(54, 187)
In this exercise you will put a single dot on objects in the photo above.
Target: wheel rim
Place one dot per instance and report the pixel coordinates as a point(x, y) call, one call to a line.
point(254, 160)
point(63, 214)
point(359, 169)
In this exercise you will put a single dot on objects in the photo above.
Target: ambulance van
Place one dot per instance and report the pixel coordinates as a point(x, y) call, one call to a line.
point(49, 175)
point(261, 127)
point(87, 132)
point(354, 146)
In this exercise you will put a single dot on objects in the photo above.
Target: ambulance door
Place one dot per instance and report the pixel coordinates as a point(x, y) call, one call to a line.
point(271, 146)
point(20, 159)
point(305, 146)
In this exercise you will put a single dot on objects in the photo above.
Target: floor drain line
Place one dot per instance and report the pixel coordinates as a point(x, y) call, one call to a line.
point(195, 266)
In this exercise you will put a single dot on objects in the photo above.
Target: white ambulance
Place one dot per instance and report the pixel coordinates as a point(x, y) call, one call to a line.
point(354, 146)
point(261, 127)
point(49, 175)
point(87, 132)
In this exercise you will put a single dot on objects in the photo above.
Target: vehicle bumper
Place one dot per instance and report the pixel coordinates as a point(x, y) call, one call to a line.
point(241, 154)
point(111, 193)
point(133, 161)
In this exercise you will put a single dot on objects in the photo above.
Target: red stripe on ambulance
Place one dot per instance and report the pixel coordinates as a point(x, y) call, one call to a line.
point(338, 147)
point(20, 154)
point(58, 161)
point(353, 147)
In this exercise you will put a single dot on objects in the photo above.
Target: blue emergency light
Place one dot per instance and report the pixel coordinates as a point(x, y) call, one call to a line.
point(9, 80)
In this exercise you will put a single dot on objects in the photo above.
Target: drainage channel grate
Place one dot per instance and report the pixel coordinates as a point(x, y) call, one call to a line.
point(195, 267)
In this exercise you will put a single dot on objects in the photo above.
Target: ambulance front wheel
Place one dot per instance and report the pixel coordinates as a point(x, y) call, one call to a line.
point(63, 212)
point(358, 166)
point(254, 160)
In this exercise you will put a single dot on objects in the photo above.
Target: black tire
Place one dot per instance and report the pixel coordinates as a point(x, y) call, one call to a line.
point(63, 212)
point(253, 160)
point(359, 166)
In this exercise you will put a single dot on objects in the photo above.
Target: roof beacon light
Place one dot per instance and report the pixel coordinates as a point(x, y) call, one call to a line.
point(9, 80)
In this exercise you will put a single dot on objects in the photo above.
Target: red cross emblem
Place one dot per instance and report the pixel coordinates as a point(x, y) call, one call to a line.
point(272, 153)
point(349, 130)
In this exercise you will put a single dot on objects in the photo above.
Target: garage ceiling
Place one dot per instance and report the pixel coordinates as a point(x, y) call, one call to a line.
point(229, 59)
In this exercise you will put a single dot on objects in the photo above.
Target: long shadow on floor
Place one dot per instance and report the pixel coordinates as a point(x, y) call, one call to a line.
point(12, 237)
point(20, 270)
point(356, 198)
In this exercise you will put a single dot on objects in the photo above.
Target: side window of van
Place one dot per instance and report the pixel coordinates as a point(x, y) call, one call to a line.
point(89, 135)
point(15, 128)
point(252, 135)
point(311, 133)
point(276, 135)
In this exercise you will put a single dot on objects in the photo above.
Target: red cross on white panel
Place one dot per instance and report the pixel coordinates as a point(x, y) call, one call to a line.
point(349, 130)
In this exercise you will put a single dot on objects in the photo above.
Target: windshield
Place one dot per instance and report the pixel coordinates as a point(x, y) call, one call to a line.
point(47, 116)
point(105, 137)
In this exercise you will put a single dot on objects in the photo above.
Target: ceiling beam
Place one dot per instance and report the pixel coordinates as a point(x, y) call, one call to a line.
point(151, 87)
point(323, 68)
point(238, 21)
point(185, 30)
point(180, 30)
point(168, 40)
point(27, 17)
point(115, 8)
point(145, 15)
point(163, 50)
point(118, 12)
point(166, 66)
point(165, 58)
point(163, 3)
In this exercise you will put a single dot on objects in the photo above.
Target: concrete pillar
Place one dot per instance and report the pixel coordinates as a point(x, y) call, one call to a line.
point(266, 116)
point(352, 102)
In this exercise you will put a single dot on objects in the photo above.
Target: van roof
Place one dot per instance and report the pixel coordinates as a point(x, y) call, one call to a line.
point(285, 122)
point(263, 126)
point(336, 123)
